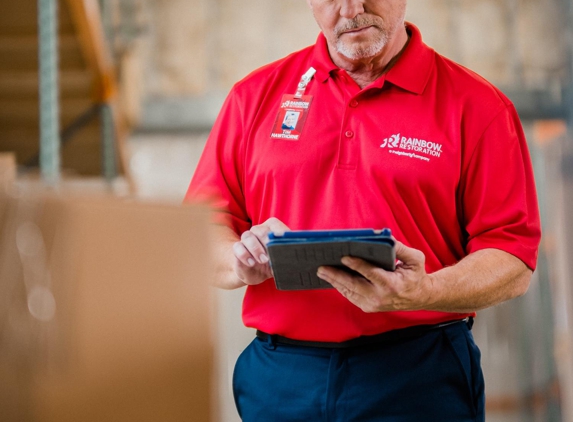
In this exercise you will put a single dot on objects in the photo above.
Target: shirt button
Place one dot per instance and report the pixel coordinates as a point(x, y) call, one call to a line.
point(349, 134)
point(353, 103)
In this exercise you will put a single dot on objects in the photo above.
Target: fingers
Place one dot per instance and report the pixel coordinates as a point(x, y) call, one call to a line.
point(243, 255)
point(378, 290)
point(252, 262)
point(345, 283)
point(261, 232)
point(271, 225)
point(357, 290)
point(253, 248)
point(255, 239)
point(252, 275)
point(364, 268)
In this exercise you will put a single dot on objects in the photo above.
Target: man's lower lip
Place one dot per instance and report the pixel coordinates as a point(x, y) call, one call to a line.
point(356, 31)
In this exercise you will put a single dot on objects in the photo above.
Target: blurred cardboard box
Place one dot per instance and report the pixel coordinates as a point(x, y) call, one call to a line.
point(7, 167)
point(117, 316)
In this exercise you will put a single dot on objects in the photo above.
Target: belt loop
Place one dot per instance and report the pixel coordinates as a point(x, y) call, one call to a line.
point(470, 322)
point(271, 341)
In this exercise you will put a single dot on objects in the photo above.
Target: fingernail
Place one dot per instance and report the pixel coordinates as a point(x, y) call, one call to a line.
point(251, 262)
point(263, 258)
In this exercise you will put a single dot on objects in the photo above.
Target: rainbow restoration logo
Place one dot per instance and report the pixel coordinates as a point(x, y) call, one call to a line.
point(412, 147)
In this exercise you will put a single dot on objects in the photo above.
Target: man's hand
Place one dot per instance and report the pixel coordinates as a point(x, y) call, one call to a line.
point(251, 264)
point(378, 290)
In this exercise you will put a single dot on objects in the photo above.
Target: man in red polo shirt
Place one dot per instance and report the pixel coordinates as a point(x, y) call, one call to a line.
point(388, 133)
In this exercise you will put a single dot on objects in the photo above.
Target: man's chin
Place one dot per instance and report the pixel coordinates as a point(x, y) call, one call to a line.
point(359, 52)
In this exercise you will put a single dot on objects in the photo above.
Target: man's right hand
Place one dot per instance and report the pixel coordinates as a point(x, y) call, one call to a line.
point(251, 258)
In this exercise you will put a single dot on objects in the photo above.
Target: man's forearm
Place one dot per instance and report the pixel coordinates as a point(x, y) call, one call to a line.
point(480, 280)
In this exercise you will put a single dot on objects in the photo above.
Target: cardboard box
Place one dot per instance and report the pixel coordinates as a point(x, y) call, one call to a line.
point(120, 318)
point(7, 168)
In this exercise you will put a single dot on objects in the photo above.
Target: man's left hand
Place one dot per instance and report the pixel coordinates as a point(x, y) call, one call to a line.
point(409, 287)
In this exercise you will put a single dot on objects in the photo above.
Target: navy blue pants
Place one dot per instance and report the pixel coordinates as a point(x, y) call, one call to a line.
point(435, 377)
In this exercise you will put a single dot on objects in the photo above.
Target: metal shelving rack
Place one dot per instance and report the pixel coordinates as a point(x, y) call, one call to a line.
point(49, 103)
point(50, 135)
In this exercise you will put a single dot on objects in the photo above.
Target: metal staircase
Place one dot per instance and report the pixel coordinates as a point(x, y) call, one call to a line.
point(92, 128)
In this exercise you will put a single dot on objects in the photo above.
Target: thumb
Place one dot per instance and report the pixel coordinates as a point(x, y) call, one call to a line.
point(409, 256)
point(277, 226)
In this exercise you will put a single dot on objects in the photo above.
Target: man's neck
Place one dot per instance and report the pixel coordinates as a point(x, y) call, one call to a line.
point(365, 71)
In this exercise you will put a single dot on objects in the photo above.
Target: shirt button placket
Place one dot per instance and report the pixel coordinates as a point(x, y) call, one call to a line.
point(347, 151)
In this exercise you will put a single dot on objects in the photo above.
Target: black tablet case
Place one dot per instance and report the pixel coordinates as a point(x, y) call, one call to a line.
point(296, 256)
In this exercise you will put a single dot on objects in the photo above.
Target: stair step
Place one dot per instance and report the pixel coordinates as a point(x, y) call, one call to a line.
point(25, 85)
point(22, 141)
point(82, 153)
point(21, 18)
point(25, 111)
point(21, 53)
point(18, 43)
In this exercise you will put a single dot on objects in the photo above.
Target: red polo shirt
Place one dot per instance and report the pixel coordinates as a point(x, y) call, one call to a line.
point(430, 150)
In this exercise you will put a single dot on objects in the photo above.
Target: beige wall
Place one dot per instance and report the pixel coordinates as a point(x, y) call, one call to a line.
point(511, 42)
point(198, 47)
point(195, 47)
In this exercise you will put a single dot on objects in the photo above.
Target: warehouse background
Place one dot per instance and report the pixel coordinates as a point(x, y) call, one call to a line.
point(174, 61)
point(194, 51)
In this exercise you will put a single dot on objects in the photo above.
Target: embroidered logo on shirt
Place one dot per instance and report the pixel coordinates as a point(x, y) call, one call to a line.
point(412, 147)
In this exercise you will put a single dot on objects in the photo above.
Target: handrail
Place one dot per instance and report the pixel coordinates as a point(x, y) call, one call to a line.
point(86, 15)
point(87, 18)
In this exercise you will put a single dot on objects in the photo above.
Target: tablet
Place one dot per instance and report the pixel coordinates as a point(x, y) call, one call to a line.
point(296, 255)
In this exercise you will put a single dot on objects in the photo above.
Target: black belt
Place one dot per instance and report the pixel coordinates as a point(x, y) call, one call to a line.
point(383, 338)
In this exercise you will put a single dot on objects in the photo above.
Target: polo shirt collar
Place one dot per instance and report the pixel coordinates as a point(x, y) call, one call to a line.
point(413, 69)
point(321, 60)
point(411, 72)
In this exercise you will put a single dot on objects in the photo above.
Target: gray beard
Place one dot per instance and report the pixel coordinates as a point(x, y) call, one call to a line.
point(357, 53)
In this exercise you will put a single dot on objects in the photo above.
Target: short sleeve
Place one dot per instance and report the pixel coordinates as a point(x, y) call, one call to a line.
point(498, 195)
point(218, 177)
